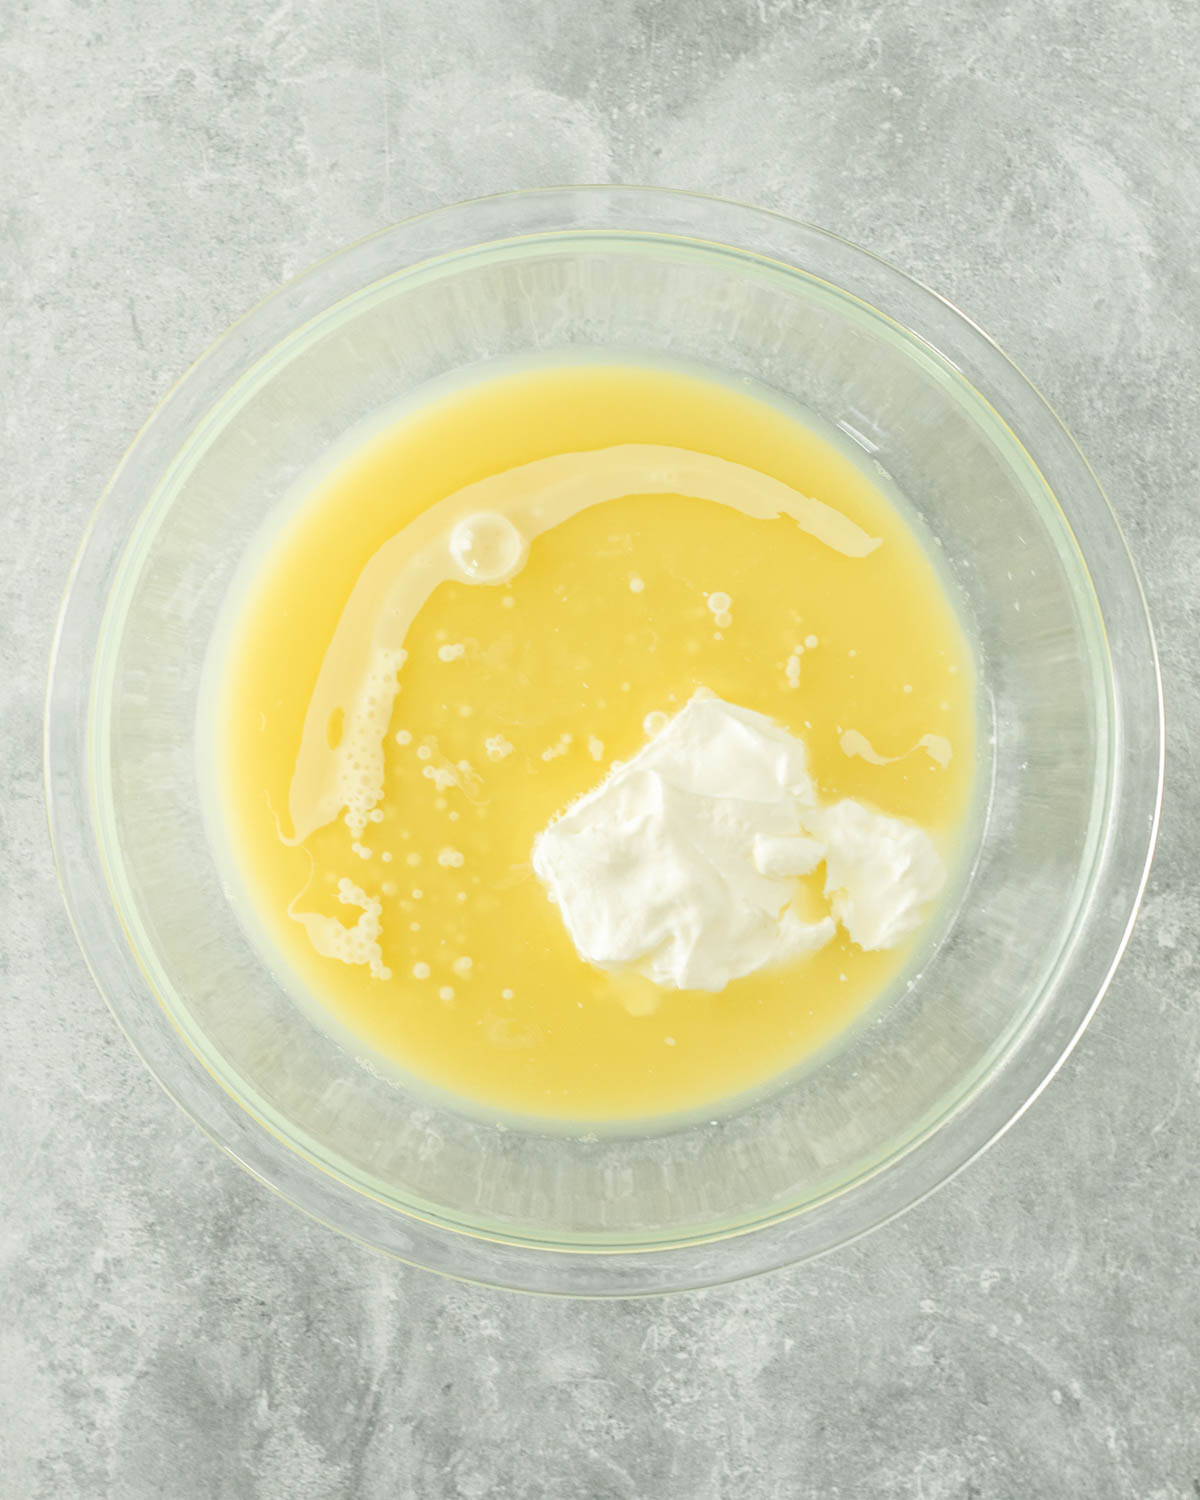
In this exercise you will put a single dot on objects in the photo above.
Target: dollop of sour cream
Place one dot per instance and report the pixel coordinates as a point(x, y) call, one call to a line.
point(684, 862)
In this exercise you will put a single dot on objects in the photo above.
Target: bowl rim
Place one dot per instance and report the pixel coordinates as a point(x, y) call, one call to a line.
point(872, 1199)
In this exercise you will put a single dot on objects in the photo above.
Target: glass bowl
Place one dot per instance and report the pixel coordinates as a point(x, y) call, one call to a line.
point(1070, 767)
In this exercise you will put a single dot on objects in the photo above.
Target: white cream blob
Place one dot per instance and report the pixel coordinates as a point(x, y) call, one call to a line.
point(656, 867)
point(880, 873)
point(683, 863)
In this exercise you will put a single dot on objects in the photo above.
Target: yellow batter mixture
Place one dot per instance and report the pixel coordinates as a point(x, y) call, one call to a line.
point(393, 730)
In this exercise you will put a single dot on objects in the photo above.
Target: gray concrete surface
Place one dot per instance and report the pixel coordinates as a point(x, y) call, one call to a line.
point(170, 1329)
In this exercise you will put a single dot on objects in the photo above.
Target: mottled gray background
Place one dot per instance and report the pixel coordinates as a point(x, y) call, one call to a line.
point(171, 1331)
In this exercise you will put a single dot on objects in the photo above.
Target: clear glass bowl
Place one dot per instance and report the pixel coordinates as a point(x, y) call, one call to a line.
point(1071, 765)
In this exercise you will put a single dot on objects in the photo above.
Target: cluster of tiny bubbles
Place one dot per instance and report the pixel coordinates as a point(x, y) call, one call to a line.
point(360, 757)
point(358, 944)
point(792, 666)
point(560, 747)
point(719, 606)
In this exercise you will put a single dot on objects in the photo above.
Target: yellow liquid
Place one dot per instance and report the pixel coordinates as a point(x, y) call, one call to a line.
point(607, 622)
